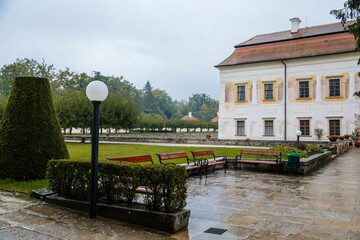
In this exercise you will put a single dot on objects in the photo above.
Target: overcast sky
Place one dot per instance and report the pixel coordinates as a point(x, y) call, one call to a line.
point(174, 44)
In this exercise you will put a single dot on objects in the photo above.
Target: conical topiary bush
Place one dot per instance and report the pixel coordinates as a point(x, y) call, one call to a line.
point(30, 133)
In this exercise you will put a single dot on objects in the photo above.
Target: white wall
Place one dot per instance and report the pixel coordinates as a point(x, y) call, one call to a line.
point(317, 110)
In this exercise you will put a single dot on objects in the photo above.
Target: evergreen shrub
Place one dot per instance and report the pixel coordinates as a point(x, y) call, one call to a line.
point(118, 182)
point(314, 149)
point(286, 150)
point(30, 134)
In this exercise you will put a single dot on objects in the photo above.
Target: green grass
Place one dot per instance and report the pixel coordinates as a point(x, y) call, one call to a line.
point(23, 186)
point(107, 150)
point(83, 151)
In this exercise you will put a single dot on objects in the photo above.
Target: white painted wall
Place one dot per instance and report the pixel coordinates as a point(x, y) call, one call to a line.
point(318, 110)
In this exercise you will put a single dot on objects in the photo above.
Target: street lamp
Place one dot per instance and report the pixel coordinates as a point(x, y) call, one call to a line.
point(298, 134)
point(96, 91)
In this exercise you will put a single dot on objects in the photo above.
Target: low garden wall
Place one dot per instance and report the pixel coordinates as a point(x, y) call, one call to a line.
point(190, 138)
point(307, 165)
point(339, 147)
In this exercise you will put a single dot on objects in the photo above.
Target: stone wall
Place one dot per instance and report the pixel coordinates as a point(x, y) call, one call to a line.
point(190, 138)
point(339, 147)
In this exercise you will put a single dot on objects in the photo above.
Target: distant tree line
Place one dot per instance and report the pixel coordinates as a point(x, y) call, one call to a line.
point(126, 107)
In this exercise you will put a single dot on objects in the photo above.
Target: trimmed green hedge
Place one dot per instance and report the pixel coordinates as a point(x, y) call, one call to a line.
point(30, 134)
point(118, 182)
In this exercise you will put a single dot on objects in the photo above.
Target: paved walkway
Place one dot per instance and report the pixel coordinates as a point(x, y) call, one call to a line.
point(248, 205)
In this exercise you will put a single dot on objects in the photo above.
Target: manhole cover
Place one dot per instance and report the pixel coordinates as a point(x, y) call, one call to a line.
point(217, 231)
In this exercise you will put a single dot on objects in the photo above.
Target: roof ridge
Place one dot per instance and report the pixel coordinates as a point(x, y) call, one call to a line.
point(280, 32)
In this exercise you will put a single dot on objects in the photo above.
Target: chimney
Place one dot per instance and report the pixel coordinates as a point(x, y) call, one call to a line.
point(295, 24)
point(190, 115)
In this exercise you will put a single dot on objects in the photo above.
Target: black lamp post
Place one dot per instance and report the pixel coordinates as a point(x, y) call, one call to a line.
point(97, 92)
point(298, 134)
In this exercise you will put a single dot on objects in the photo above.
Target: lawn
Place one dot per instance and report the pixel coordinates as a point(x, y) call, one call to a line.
point(83, 151)
point(23, 186)
point(107, 150)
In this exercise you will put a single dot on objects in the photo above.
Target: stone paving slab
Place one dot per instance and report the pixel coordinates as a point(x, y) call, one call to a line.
point(248, 205)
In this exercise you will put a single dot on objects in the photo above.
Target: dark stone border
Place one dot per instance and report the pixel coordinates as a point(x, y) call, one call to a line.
point(307, 165)
point(168, 222)
point(186, 140)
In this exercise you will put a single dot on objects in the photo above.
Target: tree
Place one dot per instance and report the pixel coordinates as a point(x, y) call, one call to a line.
point(30, 133)
point(73, 109)
point(119, 112)
point(148, 98)
point(351, 10)
point(23, 67)
point(3, 99)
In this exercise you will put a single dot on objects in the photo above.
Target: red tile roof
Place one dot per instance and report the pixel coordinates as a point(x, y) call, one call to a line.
point(308, 42)
point(186, 117)
point(215, 119)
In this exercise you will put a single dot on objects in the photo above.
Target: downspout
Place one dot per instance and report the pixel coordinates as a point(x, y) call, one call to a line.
point(285, 88)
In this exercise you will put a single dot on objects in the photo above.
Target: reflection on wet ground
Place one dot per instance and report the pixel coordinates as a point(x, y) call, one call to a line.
point(248, 205)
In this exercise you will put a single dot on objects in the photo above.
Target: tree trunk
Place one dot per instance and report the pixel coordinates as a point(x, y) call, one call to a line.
point(83, 131)
point(70, 130)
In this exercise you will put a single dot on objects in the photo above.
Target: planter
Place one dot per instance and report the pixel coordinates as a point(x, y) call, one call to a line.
point(168, 222)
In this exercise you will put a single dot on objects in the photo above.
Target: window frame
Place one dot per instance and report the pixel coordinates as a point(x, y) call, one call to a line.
point(272, 91)
point(271, 129)
point(329, 87)
point(237, 127)
point(302, 126)
point(238, 93)
point(331, 126)
point(299, 89)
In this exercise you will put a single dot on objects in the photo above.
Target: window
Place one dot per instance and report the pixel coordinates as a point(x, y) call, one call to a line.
point(269, 127)
point(241, 93)
point(240, 128)
point(334, 127)
point(334, 87)
point(305, 127)
point(304, 89)
point(268, 91)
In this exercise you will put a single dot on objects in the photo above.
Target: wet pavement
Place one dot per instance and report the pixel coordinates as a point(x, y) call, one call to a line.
point(246, 205)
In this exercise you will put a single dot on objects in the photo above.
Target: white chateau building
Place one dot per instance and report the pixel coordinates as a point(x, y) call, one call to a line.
point(300, 79)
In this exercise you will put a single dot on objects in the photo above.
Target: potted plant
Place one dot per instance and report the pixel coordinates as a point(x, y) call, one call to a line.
point(332, 138)
point(319, 133)
point(346, 136)
point(357, 144)
point(341, 137)
point(207, 136)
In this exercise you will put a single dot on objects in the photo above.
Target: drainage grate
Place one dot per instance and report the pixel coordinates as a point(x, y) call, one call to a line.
point(217, 231)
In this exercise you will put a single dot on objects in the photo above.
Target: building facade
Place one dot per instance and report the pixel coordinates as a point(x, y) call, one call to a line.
point(301, 79)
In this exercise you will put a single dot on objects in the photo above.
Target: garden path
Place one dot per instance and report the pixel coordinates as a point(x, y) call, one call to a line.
point(248, 205)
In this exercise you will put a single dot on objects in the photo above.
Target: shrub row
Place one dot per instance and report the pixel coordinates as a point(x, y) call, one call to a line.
point(118, 182)
point(304, 149)
point(152, 124)
point(286, 150)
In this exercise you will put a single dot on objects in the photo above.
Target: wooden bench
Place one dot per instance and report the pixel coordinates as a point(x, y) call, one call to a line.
point(196, 165)
point(216, 160)
point(277, 154)
point(136, 159)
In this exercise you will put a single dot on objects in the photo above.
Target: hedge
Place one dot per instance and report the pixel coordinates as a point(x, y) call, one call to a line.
point(118, 182)
point(30, 133)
